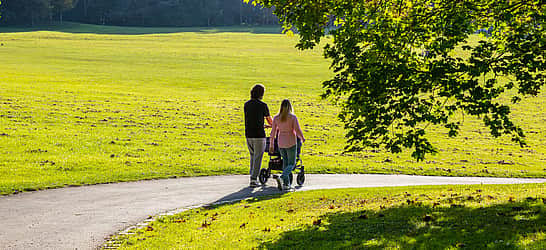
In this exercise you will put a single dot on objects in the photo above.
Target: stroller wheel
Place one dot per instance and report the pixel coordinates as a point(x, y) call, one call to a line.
point(301, 178)
point(264, 175)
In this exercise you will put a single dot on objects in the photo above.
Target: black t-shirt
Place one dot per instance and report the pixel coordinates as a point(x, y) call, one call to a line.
point(255, 112)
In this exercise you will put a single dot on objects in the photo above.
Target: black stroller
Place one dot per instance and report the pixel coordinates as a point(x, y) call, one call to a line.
point(275, 163)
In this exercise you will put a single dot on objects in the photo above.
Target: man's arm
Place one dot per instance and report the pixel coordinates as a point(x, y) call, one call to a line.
point(269, 122)
point(272, 137)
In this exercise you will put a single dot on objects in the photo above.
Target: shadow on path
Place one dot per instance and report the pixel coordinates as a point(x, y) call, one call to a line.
point(264, 192)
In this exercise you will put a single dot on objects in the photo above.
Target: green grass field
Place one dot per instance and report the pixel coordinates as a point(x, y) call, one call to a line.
point(95, 104)
point(437, 217)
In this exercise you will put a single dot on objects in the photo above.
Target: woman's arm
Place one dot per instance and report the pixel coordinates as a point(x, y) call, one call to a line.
point(297, 128)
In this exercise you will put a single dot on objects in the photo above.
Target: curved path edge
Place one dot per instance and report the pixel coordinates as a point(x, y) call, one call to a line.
point(84, 217)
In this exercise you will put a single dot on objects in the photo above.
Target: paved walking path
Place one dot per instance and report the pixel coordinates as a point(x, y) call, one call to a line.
point(83, 217)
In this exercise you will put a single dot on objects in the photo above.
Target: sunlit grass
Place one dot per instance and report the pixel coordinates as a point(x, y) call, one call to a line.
point(80, 108)
point(441, 217)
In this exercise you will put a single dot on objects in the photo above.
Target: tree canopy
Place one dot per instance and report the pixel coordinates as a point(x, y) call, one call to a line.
point(397, 73)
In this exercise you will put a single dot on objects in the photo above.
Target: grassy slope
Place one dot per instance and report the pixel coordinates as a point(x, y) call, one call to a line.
point(441, 217)
point(70, 27)
point(94, 108)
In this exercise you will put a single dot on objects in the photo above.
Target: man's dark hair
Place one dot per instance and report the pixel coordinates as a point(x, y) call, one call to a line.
point(257, 92)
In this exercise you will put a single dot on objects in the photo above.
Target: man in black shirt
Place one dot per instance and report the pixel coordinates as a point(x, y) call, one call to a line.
point(255, 113)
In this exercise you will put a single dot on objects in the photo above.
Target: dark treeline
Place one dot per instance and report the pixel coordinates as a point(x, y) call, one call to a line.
point(33, 11)
point(135, 12)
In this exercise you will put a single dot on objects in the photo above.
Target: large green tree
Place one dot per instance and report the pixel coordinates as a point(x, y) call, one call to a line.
point(396, 72)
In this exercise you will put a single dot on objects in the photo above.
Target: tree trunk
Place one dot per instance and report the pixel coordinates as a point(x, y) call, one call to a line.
point(32, 16)
point(50, 14)
point(240, 12)
point(85, 6)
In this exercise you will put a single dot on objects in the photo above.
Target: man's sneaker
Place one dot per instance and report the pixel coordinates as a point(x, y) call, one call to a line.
point(286, 188)
point(279, 182)
point(254, 183)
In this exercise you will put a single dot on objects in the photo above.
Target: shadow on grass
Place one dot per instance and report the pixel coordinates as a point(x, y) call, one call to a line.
point(424, 227)
point(69, 27)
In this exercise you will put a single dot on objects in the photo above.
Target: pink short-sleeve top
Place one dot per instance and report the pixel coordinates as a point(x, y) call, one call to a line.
point(287, 131)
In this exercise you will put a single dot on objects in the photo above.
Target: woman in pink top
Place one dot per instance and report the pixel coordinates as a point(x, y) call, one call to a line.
point(286, 129)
